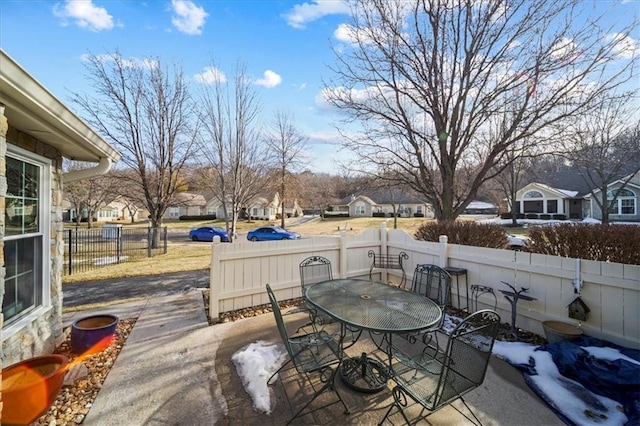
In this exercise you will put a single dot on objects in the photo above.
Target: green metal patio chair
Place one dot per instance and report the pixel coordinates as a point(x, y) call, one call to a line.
point(313, 353)
point(437, 382)
point(434, 283)
point(314, 269)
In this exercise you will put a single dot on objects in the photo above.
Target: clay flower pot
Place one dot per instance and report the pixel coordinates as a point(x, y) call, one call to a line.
point(29, 388)
point(93, 334)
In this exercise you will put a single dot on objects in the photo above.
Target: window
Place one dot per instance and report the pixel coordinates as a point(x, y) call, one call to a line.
point(533, 194)
point(174, 212)
point(360, 209)
point(625, 204)
point(25, 245)
point(552, 206)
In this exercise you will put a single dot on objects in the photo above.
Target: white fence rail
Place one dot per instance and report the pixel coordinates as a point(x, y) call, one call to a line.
point(239, 272)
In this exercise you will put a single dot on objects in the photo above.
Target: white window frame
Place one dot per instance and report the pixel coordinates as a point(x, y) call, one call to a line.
point(360, 209)
point(618, 205)
point(44, 213)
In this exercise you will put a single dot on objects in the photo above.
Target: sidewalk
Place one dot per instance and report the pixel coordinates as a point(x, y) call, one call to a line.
point(176, 370)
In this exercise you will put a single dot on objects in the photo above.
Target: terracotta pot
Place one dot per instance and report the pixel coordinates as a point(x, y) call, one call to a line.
point(93, 334)
point(30, 387)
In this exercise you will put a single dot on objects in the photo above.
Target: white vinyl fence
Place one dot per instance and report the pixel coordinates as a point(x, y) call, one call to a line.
point(239, 272)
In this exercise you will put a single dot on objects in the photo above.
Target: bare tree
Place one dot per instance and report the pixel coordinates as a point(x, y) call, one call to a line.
point(606, 148)
point(232, 144)
point(320, 190)
point(426, 80)
point(287, 145)
point(89, 195)
point(145, 110)
point(517, 163)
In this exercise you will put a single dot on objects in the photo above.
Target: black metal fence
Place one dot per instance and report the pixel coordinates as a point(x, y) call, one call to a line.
point(87, 249)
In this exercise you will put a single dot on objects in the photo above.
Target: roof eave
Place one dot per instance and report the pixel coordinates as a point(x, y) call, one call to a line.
point(32, 109)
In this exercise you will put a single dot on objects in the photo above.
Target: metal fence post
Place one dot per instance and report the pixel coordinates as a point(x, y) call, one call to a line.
point(70, 250)
point(118, 243)
point(149, 242)
point(165, 240)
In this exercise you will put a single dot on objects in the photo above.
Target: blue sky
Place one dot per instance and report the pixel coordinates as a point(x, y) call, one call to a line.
point(285, 45)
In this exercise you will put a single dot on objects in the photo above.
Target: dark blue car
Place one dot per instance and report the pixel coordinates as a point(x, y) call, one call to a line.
point(270, 233)
point(206, 233)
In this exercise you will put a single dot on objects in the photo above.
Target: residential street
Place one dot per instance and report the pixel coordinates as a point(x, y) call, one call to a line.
point(121, 289)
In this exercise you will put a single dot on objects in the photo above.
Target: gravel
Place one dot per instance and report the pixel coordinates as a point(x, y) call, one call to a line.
point(84, 379)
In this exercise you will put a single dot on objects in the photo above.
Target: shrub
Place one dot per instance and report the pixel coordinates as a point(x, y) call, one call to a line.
point(608, 243)
point(378, 214)
point(545, 216)
point(559, 216)
point(418, 215)
point(531, 215)
point(467, 233)
point(199, 217)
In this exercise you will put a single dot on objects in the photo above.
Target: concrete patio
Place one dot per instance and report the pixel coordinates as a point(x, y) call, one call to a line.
point(176, 369)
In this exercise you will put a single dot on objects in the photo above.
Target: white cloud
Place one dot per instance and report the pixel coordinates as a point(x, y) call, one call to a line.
point(301, 14)
point(211, 75)
point(188, 18)
point(270, 79)
point(625, 46)
point(85, 14)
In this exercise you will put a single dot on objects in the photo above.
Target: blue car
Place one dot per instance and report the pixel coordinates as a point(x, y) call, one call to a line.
point(206, 233)
point(270, 233)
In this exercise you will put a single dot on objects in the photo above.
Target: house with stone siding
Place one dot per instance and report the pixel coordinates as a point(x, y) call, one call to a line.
point(36, 132)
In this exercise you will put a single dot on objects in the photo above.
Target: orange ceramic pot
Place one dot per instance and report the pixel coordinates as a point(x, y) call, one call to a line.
point(29, 388)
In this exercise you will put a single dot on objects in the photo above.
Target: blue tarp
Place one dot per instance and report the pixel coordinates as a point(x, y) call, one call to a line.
point(618, 380)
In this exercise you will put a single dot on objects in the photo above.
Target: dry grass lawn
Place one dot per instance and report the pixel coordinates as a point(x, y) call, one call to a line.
point(186, 256)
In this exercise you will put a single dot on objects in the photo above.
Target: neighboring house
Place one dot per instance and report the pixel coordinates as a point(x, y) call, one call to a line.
point(36, 132)
point(626, 206)
point(186, 204)
point(544, 199)
point(117, 209)
point(376, 203)
point(567, 193)
point(261, 208)
point(481, 207)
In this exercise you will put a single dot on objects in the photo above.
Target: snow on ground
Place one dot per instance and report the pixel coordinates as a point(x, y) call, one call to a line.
point(257, 362)
point(568, 396)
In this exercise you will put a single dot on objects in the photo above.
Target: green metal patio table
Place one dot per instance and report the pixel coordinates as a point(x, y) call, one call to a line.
point(375, 307)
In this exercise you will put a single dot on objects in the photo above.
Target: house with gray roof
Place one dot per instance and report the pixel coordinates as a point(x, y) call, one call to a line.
point(381, 203)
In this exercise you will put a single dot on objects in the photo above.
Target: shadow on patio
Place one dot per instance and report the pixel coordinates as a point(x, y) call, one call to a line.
point(175, 369)
point(504, 398)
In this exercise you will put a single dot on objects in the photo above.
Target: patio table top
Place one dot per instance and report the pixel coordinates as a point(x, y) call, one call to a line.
point(374, 306)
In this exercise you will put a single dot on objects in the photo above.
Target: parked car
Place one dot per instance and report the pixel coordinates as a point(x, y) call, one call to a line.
point(269, 233)
point(206, 233)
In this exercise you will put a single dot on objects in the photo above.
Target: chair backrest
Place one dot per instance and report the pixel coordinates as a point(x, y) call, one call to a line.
point(433, 282)
point(313, 270)
point(467, 355)
point(280, 322)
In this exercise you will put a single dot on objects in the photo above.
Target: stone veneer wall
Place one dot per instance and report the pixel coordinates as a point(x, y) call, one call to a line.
point(44, 333)
point(3, 193)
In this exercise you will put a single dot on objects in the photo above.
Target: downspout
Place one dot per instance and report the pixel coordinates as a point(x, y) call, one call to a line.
point(103, 167)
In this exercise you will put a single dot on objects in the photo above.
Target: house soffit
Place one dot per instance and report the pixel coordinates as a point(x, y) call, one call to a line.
point(34, 110)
